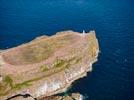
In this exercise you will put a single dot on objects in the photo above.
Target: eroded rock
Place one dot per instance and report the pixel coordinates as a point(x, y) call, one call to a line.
point(73, 96)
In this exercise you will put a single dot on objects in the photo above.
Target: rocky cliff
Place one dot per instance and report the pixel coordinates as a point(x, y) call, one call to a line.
point(73, 96)
point(47, 65)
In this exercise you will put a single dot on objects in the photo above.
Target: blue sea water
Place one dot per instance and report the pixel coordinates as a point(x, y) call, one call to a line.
point(112, 77)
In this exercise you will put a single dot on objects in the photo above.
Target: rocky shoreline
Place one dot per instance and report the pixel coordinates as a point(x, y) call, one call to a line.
point(73, 96)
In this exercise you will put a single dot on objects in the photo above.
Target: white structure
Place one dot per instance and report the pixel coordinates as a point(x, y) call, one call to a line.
point(83, 32)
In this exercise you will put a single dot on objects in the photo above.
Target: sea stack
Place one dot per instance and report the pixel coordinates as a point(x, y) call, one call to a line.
point(48, 65)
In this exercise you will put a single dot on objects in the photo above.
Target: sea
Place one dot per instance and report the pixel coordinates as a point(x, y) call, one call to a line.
point(112, 77)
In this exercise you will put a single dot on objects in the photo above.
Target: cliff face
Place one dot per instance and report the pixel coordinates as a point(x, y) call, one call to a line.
point(73, 96)
point(47, 65)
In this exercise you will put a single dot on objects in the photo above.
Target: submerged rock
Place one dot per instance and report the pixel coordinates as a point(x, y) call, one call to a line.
point(48, 65)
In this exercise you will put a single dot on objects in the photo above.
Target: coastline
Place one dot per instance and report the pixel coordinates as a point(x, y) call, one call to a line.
point(75, 64)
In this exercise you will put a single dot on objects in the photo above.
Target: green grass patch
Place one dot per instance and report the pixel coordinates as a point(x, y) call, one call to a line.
point(78, 60)
point(59, 63)
point(22, 85)
point(27, 83)
point(8, 80)
point(44, 67)
point(66, 63)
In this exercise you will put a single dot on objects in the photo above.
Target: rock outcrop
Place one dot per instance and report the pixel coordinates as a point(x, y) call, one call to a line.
point(48, 65)
point(73, 96)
